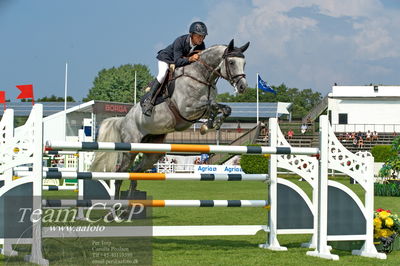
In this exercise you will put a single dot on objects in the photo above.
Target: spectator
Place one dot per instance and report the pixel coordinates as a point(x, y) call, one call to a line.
point(309, 123)
point(348, 136)
point(239, 129)
point(394, 134)
point(263, 128)
point(266, 135)
point(368, 136)
point(354, 142)
point(359, 135)
point(375, 136)
point(360, 143)
point(303, 129)
point(204, 158)
point(290, 134)
point(197, 161)
point(340, 137)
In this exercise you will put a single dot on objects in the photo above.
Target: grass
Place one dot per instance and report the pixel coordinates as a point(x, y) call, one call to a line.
point(221, 250)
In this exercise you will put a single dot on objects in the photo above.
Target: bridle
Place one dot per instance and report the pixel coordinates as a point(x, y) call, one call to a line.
point(217, 70)
point(230, 78)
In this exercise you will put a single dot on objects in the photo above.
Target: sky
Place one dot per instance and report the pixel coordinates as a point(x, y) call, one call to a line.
point(302, 43)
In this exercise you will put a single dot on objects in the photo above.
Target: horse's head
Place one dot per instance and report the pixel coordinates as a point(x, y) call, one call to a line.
point(232, 66)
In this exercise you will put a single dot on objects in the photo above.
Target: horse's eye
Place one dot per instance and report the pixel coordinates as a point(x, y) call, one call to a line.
point(231, 62)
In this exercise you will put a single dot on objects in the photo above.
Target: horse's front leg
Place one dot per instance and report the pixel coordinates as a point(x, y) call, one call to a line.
point(223, 109)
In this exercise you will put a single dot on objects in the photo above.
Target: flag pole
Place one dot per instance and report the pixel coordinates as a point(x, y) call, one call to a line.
point(134, 100)
point(257, 97)
point(33, 98)
point(65, 87)
point(65, 99)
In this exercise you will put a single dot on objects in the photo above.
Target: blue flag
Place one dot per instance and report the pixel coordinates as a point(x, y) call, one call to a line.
point(264, 86)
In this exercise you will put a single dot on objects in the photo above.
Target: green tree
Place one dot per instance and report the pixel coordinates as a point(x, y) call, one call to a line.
point(392, 165)
point(54, 98)
point(118, 84)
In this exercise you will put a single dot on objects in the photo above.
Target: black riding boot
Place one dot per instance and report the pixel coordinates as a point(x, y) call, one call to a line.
point(148, 104)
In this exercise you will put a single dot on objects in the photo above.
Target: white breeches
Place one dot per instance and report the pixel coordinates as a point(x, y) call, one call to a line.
point(162, 70)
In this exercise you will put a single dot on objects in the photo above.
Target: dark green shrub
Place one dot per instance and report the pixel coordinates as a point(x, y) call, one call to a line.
point(382, 153)
point(387, 189)
point(254, 164)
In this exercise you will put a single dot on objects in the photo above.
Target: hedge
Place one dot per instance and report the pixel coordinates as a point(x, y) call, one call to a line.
point(254, 164)
point(387, 189)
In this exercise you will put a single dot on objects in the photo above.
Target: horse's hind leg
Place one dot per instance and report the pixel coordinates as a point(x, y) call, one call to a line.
point(148, 160)
point(126, 162)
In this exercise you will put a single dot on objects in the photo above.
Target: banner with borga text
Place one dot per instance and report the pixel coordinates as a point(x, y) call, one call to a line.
point(217, 169)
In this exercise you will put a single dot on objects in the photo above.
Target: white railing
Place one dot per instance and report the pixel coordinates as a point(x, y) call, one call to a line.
point(387, 128)
point(168, 167)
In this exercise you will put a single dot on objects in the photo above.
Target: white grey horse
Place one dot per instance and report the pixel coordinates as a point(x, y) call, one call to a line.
point(192, 99)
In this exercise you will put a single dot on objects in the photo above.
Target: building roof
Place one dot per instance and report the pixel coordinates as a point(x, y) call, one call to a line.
point(49, 108)
point(265, 109)
point(239, 109)
point(372, 91)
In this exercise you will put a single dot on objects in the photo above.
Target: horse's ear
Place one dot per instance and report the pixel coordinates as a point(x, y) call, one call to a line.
point(230, 46)
point(244, 47)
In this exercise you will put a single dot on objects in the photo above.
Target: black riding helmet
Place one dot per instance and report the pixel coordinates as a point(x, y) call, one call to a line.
point(198, 27)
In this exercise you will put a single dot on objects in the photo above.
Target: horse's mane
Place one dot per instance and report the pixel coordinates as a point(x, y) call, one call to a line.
point(211, 48)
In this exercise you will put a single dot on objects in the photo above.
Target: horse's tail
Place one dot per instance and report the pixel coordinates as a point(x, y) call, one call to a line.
point(109, 132)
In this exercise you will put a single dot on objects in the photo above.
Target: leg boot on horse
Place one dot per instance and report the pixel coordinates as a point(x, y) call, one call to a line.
point(148, 103)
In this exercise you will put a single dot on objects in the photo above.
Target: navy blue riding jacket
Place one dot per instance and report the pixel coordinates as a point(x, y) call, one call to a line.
point(176, 52)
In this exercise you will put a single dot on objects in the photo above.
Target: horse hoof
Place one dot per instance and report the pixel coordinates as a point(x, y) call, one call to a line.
point(203, 129)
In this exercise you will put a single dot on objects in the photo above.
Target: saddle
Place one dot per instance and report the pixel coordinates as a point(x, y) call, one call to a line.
point(165, 90)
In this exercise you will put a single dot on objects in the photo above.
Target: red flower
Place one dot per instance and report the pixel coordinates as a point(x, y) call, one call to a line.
point(379, 210)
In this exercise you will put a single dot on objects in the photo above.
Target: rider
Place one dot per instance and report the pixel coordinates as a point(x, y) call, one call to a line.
point(176, 53)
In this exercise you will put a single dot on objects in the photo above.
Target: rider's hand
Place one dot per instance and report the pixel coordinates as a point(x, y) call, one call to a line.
point(194, 58)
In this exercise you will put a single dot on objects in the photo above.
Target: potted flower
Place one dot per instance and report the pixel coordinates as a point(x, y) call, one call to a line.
point(386, 230)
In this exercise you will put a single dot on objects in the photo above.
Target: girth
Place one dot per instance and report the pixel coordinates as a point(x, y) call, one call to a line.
point(181, 123)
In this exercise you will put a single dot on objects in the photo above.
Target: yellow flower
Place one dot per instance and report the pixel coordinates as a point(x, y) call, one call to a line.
point(386, 232)
point(377, 234)
point(377, 223)
point(389, 222)
point(383, 215)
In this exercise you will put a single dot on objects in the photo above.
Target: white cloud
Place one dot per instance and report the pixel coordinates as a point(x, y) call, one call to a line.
point(273, 30)
point(349, 8)
point(299, 50)
point(374, 39)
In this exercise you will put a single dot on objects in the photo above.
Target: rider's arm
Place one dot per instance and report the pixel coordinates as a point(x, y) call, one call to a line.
point(179, 58)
